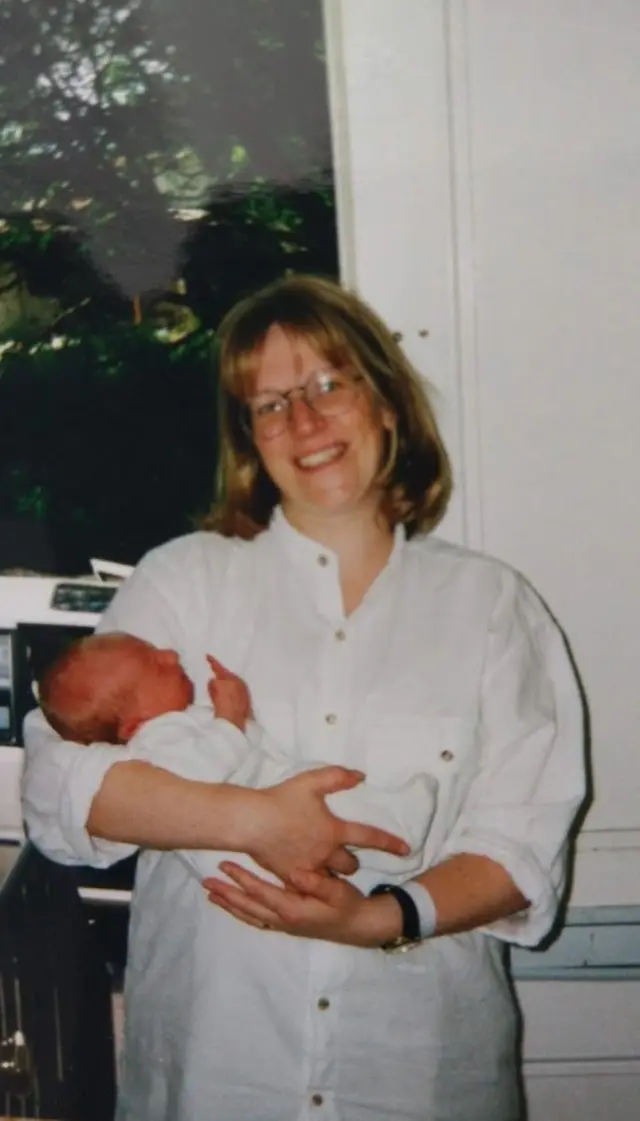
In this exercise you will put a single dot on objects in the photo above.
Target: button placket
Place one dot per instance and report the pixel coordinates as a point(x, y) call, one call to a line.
point(329, 967)
point(328, 594)
point(334, 691)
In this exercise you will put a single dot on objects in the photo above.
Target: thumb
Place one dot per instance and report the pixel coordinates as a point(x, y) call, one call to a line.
point(313, 883)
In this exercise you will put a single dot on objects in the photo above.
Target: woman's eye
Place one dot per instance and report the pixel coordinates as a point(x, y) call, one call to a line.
point(267, 408)
point(329, 383)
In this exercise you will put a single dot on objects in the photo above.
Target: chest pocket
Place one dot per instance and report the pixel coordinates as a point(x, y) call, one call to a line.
point(392, 748)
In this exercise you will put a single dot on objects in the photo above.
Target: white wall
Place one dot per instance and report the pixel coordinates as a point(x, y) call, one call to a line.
point(488, 156)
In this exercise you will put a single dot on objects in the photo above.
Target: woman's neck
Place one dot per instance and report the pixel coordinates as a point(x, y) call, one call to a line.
point(361, 540)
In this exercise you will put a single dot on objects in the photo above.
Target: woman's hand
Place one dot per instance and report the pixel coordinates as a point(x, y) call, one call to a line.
point(290, 827)
point(314, 905)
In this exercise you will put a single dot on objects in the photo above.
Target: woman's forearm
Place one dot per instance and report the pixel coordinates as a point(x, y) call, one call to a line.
point(153, 808)
point(284, 827)
point(470, 891)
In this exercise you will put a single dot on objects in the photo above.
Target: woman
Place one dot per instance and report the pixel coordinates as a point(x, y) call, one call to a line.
point(371, 645)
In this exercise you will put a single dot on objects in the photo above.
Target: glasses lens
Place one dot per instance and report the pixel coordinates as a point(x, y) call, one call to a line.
point(330, 392)
point(267, 414)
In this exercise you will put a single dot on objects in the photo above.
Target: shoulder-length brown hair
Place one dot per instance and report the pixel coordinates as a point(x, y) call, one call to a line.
point(416, 478)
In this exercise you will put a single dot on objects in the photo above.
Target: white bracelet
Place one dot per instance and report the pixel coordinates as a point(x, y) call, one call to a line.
point(425, 905)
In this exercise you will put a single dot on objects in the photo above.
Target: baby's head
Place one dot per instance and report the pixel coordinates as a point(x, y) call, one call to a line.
point(103, 687)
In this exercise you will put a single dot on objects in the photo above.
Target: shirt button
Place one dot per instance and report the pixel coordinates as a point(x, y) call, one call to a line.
point(340, 635)
point(323, 1004)
point(317, 1099)
point(323, 560)
point(331, 718)
point(446, 755)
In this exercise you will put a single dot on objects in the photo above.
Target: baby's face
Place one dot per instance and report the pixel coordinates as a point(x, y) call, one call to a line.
point(162, 684)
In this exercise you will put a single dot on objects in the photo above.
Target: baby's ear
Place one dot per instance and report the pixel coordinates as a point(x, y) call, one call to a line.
point(128, 728)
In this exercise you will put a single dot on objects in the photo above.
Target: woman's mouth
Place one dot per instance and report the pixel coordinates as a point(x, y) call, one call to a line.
point(321, 458)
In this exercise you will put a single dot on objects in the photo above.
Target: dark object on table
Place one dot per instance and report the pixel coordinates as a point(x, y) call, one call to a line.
point(57, 1055)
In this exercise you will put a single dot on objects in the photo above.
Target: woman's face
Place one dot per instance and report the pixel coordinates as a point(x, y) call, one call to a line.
point(322, 465)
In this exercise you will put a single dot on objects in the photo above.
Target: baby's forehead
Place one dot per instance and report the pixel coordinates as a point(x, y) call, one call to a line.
point(118, 646)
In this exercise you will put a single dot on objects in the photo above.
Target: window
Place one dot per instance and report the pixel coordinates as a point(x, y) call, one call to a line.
point(158, 159)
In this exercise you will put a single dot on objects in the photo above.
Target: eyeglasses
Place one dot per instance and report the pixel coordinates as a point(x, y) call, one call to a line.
point(328, 392)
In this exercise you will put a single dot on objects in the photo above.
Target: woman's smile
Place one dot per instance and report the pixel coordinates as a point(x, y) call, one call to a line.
point(324, 457)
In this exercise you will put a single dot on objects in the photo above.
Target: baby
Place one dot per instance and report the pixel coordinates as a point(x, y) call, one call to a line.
point(108, 688)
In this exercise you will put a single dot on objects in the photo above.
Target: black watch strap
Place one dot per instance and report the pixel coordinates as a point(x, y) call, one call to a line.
point(410, 916)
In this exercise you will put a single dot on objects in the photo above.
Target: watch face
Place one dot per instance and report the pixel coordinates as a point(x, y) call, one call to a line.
point(401, 945)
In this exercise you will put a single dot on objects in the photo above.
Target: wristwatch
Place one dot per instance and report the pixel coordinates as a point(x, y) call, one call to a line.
point(410, 937)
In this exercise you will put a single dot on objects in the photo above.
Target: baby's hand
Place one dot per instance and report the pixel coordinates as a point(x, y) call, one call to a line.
point(229, 695)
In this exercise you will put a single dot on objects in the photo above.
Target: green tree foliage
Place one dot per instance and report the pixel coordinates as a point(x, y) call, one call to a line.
point(109, 440)
point(158, 159)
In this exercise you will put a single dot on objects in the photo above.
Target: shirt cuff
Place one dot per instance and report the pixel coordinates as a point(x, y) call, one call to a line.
point(84, 781)
point(529, 926)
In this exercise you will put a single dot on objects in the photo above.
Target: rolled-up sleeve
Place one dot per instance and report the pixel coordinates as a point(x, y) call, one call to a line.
point(59, 783)
point(531, 779)
point(60, 779)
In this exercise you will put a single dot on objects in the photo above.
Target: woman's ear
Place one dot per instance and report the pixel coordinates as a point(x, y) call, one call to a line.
point(389, 419)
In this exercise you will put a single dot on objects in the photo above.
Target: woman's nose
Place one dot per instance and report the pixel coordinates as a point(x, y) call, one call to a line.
point(302, 416)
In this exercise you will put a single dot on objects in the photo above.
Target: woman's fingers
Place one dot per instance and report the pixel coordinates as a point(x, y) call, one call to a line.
point(242, 906)
point(251, 887)
point(330, 779)
point(323, 887)
point(264, 922)
point(370, 837)
point(343, 863)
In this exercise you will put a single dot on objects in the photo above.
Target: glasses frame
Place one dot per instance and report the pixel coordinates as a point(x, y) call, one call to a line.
point(289, 395)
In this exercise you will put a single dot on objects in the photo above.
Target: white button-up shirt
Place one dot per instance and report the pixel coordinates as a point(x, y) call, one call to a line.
point(451, 666)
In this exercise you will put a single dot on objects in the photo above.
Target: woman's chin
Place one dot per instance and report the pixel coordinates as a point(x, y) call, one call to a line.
point(334, 501)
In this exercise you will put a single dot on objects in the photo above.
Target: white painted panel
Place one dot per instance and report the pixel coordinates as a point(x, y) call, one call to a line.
point(569, 1020)
point(553, 113)
point(581, 1050)
point(588, 1093)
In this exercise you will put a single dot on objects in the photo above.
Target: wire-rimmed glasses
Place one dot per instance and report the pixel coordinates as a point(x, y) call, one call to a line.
point(328, 392)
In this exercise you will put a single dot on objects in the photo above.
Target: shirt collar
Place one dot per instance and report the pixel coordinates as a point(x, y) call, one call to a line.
point(319, 562)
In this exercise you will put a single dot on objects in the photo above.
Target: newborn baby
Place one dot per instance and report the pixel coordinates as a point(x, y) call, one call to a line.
point(114, 688)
